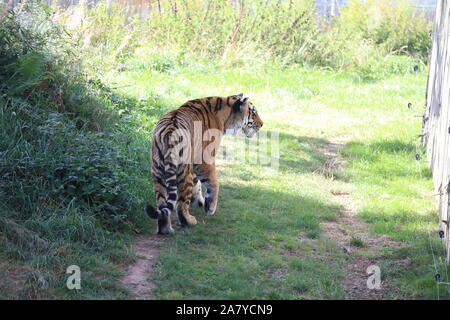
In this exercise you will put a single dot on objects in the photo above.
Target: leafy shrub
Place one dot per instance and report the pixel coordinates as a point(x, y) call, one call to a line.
point(236, 32)
point(206, 28)
point(388, 24)
point(57, 149)
point(68, 165)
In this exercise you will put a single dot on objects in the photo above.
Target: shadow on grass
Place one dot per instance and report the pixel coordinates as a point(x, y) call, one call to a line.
point(301, 153)
point(240, 253)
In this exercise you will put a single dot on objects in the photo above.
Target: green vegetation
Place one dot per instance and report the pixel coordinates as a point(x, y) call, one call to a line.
point(357, 242)
point(68, 177)
point(78, 101)
point(253, 246)
point(367, 39)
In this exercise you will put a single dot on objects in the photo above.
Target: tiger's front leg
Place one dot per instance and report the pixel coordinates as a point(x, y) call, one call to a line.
point(207, 176)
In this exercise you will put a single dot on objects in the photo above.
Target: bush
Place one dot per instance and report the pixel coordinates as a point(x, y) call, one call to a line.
point(67, 163)
point(284, 32)
point(389, 25)
point(48, 108)
point(214, 29)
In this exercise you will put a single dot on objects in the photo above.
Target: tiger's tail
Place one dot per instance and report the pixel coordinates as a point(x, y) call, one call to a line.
point(156, 213)
point(163, 211)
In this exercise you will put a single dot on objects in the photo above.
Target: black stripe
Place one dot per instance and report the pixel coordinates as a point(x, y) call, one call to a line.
point(207, 115)
point(172, 196)
point(160, 181)
point(209, 105)
point(197, 111)
point(219, 104)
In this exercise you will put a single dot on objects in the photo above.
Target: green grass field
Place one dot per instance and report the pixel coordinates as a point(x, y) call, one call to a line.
point(253, 247)
point(81, 91)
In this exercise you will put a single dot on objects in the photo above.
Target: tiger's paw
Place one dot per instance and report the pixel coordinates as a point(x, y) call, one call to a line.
point(165, 231)
point(191, 220)
point(209, 209)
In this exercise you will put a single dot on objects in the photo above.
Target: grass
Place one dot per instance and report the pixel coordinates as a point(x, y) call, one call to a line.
point(66, 196)
point(357, 242)
point(76, 135)
point(253, 247)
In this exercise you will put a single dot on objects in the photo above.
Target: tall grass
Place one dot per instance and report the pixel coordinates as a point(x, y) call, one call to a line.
point(363, 39)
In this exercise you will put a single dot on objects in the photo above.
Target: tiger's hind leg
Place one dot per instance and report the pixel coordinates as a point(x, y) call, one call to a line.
point(197, 199)
point(185, 187)
point(207, 175)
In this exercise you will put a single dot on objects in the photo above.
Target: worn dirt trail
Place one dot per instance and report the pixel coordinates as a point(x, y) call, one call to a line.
point(348, 226)
point(137, 275)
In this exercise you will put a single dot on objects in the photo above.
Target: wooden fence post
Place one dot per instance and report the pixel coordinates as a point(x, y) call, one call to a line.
point(436, 119)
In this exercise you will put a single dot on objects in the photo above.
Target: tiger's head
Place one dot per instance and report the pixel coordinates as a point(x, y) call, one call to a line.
point(244, 117)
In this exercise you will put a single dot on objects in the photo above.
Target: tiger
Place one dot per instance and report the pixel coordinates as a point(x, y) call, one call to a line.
point(184, 147)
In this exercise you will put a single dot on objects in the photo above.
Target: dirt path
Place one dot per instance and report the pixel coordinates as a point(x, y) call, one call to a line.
point(366, 248)
point(137, 275)
point(11, 285)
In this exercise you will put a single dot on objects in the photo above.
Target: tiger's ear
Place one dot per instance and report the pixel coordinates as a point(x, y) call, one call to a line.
point(237, 106)
point(240, 95)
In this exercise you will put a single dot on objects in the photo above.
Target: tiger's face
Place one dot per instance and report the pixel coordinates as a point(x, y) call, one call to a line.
point(244, 118)
point(252, 122)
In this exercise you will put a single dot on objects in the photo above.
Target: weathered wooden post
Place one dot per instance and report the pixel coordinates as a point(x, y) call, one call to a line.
point(436, 119)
